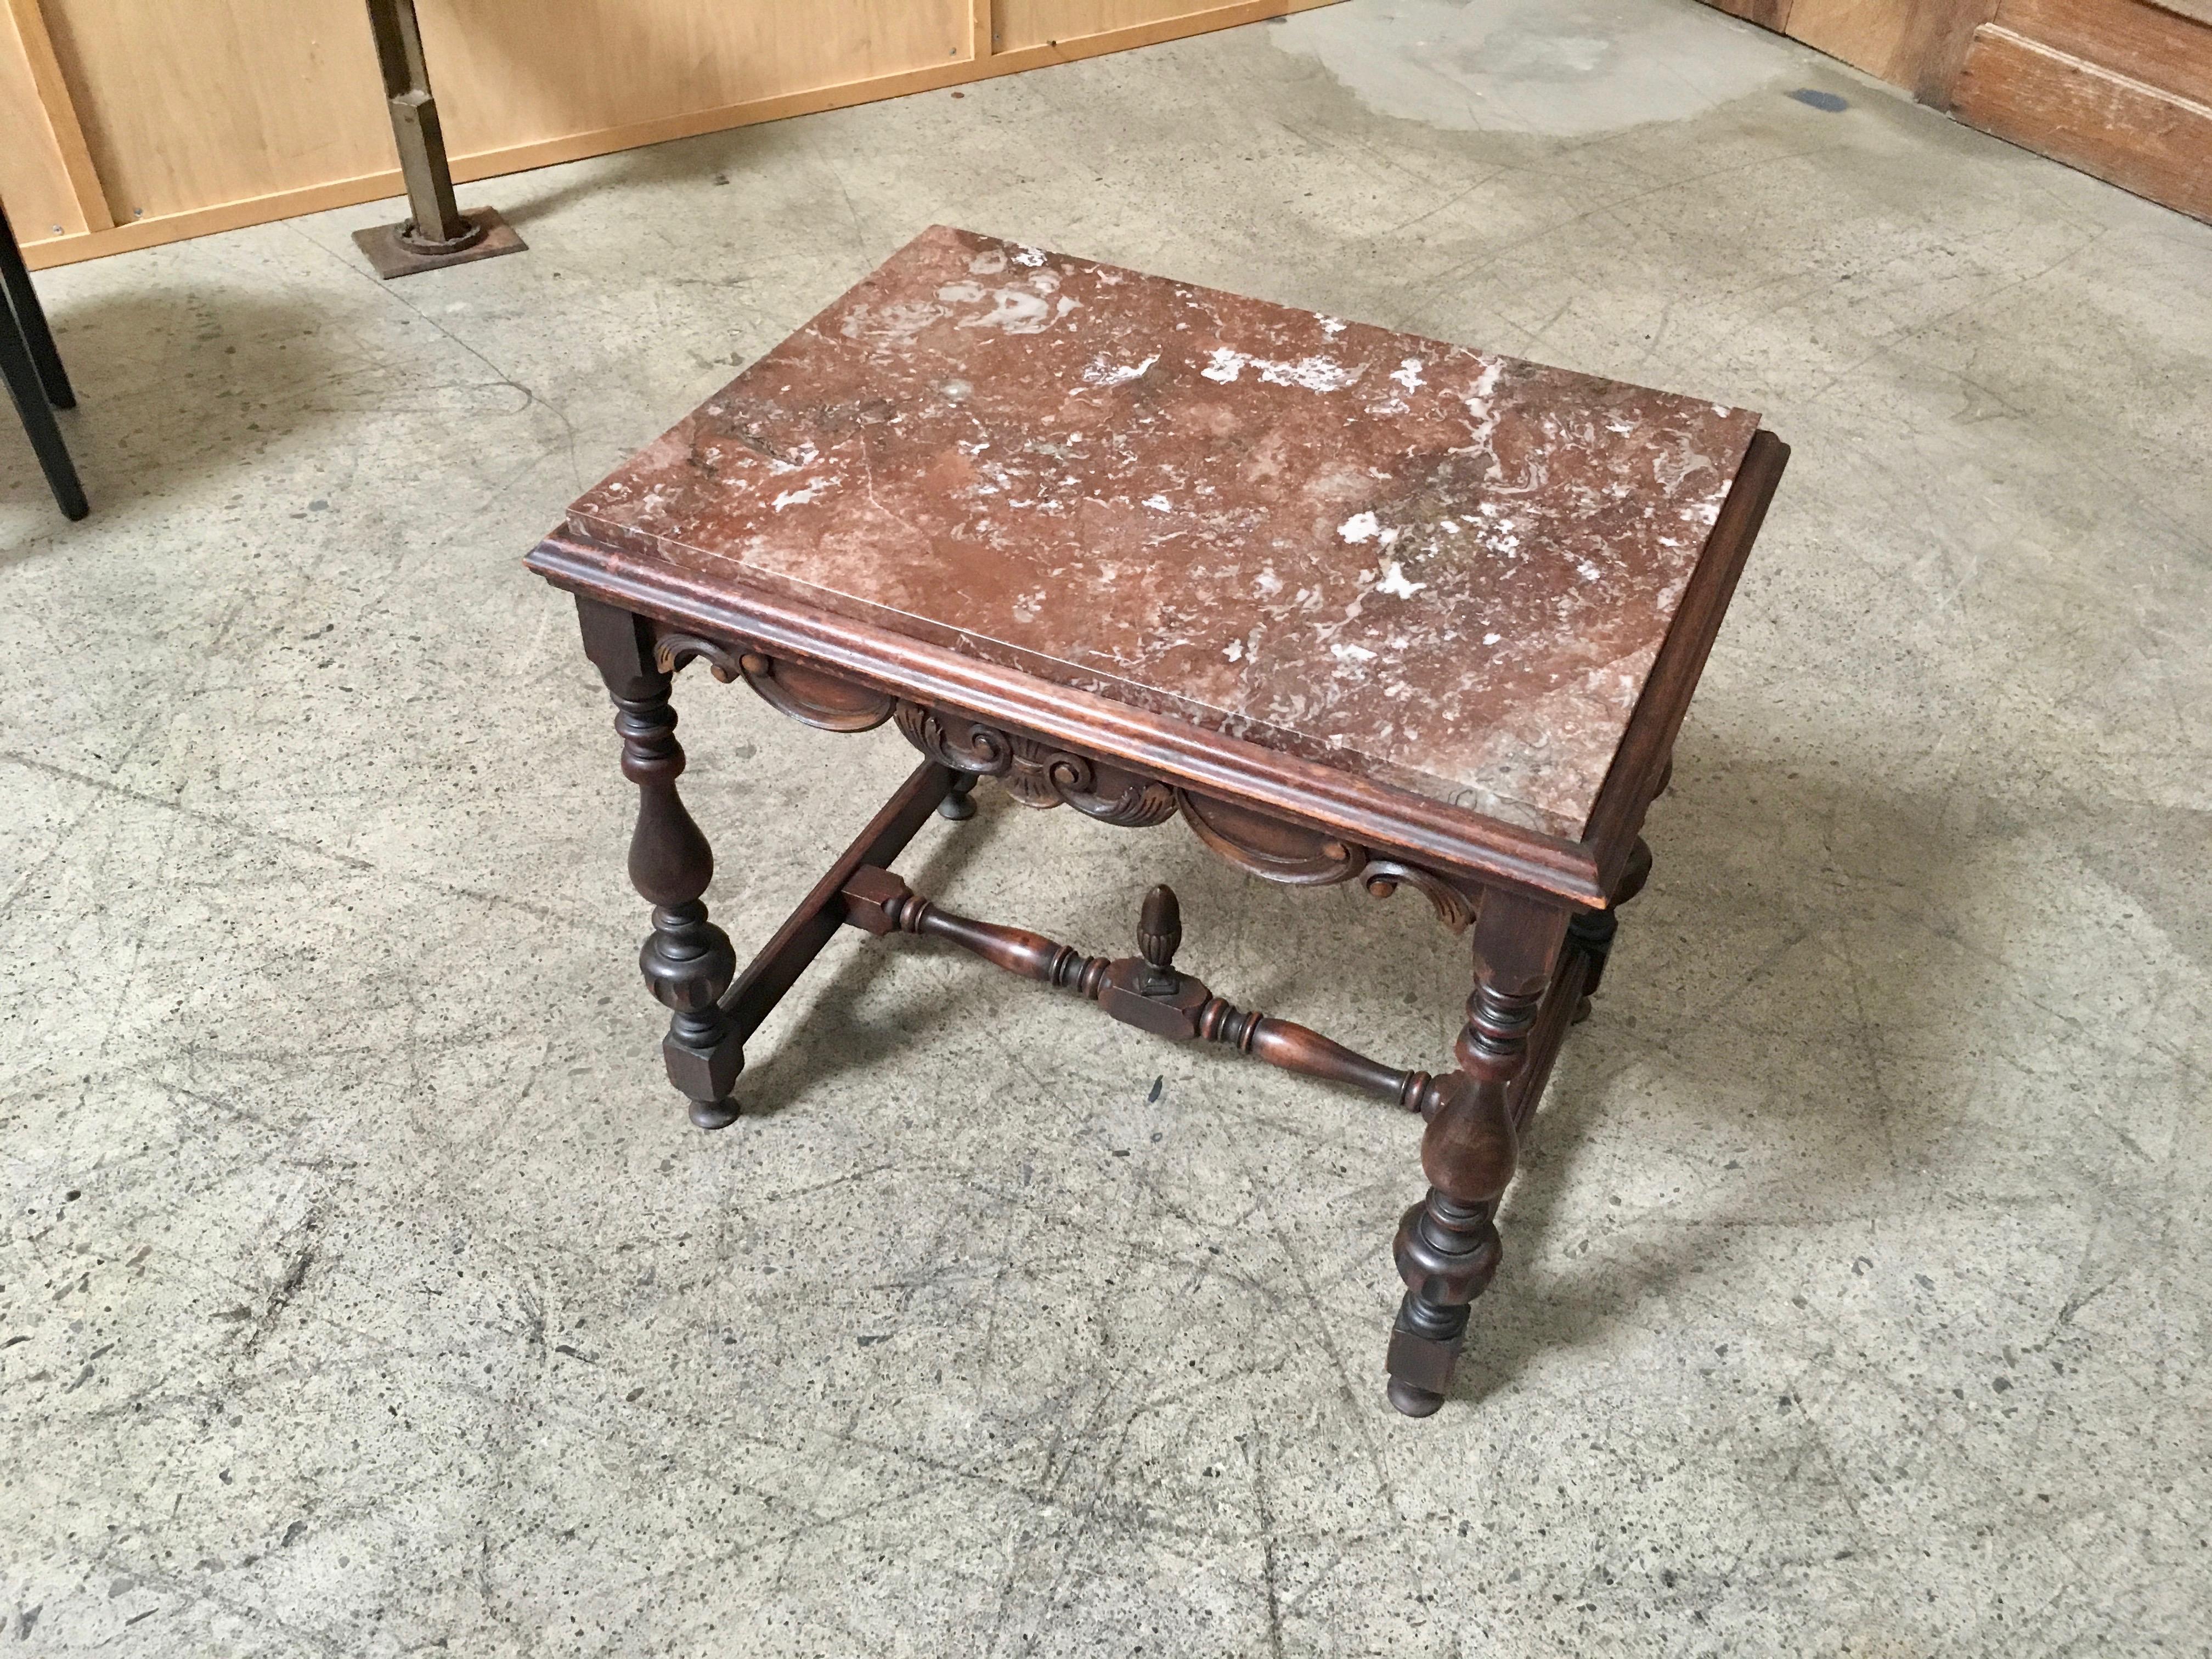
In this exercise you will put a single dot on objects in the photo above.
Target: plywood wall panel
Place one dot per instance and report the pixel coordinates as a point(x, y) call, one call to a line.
point(2104, 123)
point(1875, 35)
point(205, 115)
point(1942, 32)
point(190, 103)
point(2154, 44)
point(1038, 22)
point(34, 183)
point(1916, 44)
point(1767, 14)
point(506, 80)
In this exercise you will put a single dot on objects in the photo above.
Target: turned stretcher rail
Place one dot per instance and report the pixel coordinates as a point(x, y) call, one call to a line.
point(1145, 991)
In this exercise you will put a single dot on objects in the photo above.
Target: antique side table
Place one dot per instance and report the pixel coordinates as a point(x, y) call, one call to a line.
point(1356, 605)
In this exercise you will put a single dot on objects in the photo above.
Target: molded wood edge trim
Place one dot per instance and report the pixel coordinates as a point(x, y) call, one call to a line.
point(1372, 814)
point(1649, 742)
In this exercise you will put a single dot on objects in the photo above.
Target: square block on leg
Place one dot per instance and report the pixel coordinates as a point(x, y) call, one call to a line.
point(1420, 1368)
point(707, 1074)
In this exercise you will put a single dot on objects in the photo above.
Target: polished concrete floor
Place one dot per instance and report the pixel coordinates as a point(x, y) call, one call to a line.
point(364, 1291)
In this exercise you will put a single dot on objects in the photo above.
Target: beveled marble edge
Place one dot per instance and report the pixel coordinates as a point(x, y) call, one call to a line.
point(1374, 815)
point(1062, 670)
point(1647, 741)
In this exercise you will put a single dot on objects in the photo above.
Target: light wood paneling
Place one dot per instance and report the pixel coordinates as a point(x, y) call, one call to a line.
point(1918, 43)
point(188, 104)
point(1045, 22)
point(505, 79)
point(513, 92)
point(206, 222)
point(33, 182)
point(2121, 89)
point(2152, 44)
point(2119, 128)
point(1943, 31)
point(1869, 35)
point(46, 174)
point(1767, 14)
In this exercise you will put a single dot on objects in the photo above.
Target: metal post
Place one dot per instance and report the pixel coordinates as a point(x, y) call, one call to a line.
point(437, 226)
point(33, 371)
point(436, 232)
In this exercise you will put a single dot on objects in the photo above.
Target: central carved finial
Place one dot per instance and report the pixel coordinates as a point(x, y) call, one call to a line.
point(1159, 931)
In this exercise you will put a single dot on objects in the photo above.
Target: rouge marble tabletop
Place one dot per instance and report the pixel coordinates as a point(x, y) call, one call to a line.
point(1443, 569)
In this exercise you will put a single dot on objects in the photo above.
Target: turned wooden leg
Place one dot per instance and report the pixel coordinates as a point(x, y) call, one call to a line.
point(1592, 930)
point(1447, 1246)
point(687, 960)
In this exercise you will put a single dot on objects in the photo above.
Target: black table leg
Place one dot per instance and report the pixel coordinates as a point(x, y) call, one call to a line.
point(31, 317)
point(39, 420)
point(33, 369)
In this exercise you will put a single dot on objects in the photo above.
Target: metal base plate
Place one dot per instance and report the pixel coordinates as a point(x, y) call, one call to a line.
point(393, 257)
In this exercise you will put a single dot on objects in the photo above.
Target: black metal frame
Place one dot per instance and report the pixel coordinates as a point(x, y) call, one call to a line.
point(36, 380)
point(435, 233)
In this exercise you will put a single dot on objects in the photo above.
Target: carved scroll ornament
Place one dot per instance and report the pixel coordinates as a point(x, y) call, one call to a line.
point(1036, 773)
point(1276, 849)
point(807, 695)
point(1041, 774)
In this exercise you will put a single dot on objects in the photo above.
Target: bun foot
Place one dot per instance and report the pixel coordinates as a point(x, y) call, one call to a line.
point(715, 1114)
point(960, 804)
point(1412, 1401)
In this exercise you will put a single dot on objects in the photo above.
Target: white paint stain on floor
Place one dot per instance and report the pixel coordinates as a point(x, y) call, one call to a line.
point(1561, 67)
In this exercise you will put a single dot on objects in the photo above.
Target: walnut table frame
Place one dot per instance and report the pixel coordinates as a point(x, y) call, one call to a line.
point(681, 557)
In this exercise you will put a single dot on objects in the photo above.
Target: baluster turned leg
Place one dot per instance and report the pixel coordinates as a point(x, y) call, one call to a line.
point(1447, 1246)
point(687, 960)
point(1592, 932)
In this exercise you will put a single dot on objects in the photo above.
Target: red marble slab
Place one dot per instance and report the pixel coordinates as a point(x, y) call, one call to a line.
point(1447, 571)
